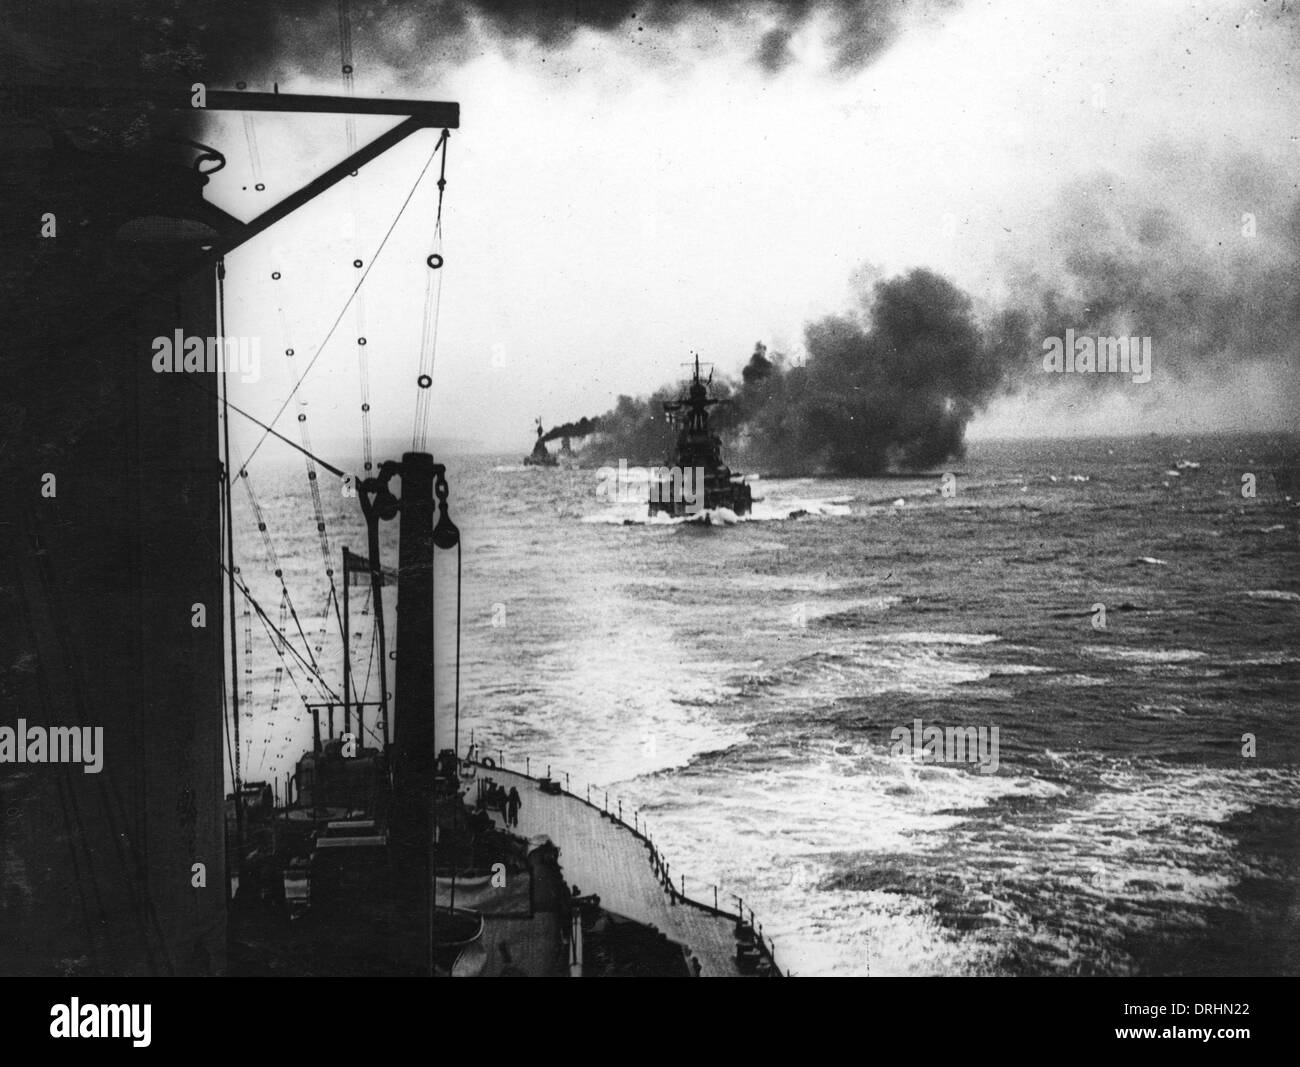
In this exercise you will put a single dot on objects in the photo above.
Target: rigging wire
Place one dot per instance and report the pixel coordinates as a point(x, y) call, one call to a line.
point(228, 509)
point(310, 461)
point(330, 599)
point(369, 266)
point(350, 130)
point(287, 646)
point(286, 602)
point(260, 518)
point(322, 531)
point(456, 704)
point(195, 381)
point(254, 156)
point(225, 721)
point(432, 313)
point(293, 679)
point(374, 644)
point(279, 678)
point(248, 660)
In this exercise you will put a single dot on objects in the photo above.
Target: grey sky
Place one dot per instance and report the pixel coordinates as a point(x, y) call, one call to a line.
point(632, 196)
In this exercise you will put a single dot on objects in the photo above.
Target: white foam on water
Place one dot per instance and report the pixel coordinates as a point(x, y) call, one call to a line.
point(827, 675)
point(636, 514)
point(1049, 885)
point(800, 817)
point(1143, 655)
point(1267, 659)
point(931, 637)
point(771, 512)
point(1019, 669)
point(1076, 681)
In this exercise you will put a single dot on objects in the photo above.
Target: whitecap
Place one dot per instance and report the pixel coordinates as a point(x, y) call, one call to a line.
point(1144, 655)
point(930, 637)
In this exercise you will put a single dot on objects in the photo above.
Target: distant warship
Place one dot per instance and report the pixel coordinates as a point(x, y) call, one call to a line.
point(539, 457)
point(697, 447)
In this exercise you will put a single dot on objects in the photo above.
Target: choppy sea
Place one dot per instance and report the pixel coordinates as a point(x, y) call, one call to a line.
point(737, 686)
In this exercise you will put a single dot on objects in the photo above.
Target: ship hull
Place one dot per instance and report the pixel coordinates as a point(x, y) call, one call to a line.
point(730, 495)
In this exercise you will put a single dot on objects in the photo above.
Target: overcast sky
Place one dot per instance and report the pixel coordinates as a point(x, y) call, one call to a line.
point(615, 203)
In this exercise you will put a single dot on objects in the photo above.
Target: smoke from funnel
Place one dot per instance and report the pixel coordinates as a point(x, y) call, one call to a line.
point(892, 386)
point(584, 427)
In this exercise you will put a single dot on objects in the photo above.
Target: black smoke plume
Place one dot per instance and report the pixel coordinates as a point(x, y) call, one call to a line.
point(1213, 280)
point(891, 386)
point(584, 427)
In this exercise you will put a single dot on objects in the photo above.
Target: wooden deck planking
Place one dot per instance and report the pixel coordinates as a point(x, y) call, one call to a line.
point(598, 855)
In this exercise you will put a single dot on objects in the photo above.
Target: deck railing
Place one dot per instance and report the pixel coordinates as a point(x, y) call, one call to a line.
point(639, 828)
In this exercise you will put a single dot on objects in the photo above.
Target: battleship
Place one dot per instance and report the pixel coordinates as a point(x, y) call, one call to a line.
point(539, 456)
point(121, 594)
point(566, 456)
point(699, 449)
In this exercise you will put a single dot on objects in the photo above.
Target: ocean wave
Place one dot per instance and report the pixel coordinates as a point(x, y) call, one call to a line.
point(1075, 681)
point(931, 637)
point(636, 515)
point(1012, 670)
point(1143, 655)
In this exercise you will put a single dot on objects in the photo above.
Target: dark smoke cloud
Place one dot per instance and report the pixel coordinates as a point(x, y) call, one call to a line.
point(894, 385)
point(140, 42)
point(759, 368)
point(402, 33)
point(1215, 284)
point(1214, 280)
point(220, 41)
point(584, 427)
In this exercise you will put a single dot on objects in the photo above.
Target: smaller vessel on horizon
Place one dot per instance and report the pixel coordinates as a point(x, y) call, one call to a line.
point(539, 457)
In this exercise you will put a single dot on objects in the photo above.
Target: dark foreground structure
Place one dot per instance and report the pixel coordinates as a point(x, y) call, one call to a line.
point(116, 591)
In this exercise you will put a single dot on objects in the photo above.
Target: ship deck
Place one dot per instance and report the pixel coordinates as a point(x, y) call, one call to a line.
point(600, 855)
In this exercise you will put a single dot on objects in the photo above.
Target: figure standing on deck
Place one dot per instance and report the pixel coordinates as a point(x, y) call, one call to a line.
point(513, 803)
